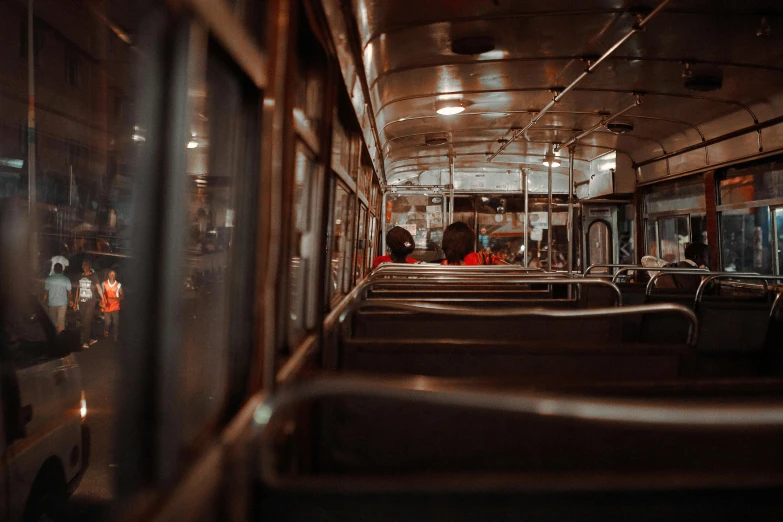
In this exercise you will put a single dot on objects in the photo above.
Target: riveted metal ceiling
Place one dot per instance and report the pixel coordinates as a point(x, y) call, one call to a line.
point(542, 46)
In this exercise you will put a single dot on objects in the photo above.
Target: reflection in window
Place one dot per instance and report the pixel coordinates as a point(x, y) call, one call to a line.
point(677, 195)
point(651, 238)
point(342, 241)
point(302, 250)
point(626, 219)
point(699, 229)
point(361, 245)
point(673, 237)
point(214, 149)
point(779, 238)
point(500, 227)
point(371, 246)
point(753, 183)
point(745, 240)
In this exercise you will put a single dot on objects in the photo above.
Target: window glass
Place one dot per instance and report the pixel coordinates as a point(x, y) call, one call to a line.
point(741, 185)
point(673, 237)
point(678, 195)
point(309, 80)
point(651, 238)
point(626, 218)
point(779, 239)
point(464, 210)
point(422, 216)
point(361, 245)
point(746, 240)
point(80, 162)
point(699, 229)
point(341, 148)
point(300, 257)
point(371, 241)
point(215, 170)
point(342, 241)
point(500, 227)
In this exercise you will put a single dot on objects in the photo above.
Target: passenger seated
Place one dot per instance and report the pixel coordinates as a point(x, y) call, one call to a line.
point(399, 243)
point(696, 256)
point(458, 240)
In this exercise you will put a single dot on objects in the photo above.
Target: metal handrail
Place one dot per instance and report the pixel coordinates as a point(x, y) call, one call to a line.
point(554, 281)
point(654, 269)
point(651, 282)
point(402, 267)
point(734, 275)
point(478, 278)
point(441, 392)
point(404, 306)
point(610, 265)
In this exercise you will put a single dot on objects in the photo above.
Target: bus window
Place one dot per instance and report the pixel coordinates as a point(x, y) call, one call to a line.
point(342, 241)
point(215, 170)
point(779, 239)
point(302, 252)
point(745, 240)
point(361, 244)
point(673, 236)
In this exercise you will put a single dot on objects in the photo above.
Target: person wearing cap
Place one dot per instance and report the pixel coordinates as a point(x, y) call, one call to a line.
point(399, 243)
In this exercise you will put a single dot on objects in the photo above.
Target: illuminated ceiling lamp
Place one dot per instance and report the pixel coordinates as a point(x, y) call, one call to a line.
point(551, 159)
point(449, 107)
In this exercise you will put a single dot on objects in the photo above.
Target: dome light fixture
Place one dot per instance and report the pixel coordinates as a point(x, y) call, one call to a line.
point(550, 159)
point(449, 107)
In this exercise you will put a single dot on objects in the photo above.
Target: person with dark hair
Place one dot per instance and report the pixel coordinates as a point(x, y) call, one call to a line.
point(399, 243)
point(696, 256)
point(458, 239)
point(57, 295)
point(88, 294)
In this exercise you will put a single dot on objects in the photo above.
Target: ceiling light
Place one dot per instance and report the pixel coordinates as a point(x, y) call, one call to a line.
point(449, 107)
point(192, 144)
point(550, 158)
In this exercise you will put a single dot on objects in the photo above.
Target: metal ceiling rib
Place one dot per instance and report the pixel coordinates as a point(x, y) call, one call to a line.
point(540, 48)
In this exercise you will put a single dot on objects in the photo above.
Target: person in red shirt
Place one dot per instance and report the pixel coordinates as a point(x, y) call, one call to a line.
point(458, 239)
point(399, 243)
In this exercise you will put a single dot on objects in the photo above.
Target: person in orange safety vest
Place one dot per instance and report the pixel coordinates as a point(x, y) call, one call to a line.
point(112, 295)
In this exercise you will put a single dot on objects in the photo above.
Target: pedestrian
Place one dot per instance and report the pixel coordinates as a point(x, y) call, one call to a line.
point(57, 295)
point(112, 295)
point(89, 293)
point(57, 259)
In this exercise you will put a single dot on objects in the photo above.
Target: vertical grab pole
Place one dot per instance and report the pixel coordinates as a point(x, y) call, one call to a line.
point(570, 220)
point(451, 190)
point(383, 224)
point(527, 218)
point(549, 220)
point(31, 185)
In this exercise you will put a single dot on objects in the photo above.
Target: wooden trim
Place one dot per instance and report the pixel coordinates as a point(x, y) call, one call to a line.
point(305, 132)
point(233, 37)
point(710, 196)
point(771, 202)
point(343, 176)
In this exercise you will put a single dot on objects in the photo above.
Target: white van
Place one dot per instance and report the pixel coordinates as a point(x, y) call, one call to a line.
point(44, 440)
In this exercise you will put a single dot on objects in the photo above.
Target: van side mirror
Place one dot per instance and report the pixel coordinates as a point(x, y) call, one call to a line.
point(68, 341)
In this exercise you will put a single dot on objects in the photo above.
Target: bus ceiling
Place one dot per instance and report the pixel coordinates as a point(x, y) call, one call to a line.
point(673, 86)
